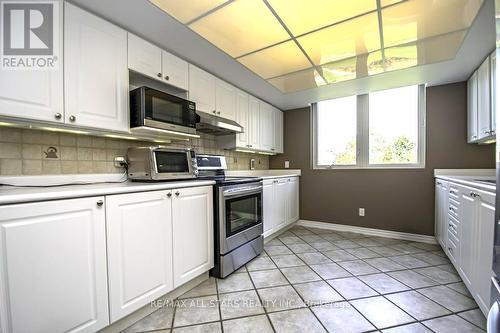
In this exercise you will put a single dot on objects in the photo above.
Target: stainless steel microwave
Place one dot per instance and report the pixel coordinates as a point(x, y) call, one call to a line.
point(151, 108)
point(161, 163)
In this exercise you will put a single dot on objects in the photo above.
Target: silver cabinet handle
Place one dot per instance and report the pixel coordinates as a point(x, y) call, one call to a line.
point(100, 203)
point(72, 118)
point(159, 75)
point(218, 112)
point(177, 193)
point(438, 183)
point(58, 116)
point(167, 77)
point(214, 112)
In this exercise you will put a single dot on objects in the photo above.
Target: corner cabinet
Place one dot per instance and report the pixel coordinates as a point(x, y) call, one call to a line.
point(95, 72)
point(157, 241)
point(481, 117)
point(468, 216)
point(280, 203)
point(53, 274)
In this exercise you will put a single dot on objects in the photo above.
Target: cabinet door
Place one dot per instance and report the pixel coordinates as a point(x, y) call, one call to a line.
point(266, 127)
point(144, 57)
point(139, 233)
point(483, 100)
point(225, 99)
point(280, 197)
point(202, 89)
point(437, 212)
point(53, 267)
point(253, 123)
point(242, 139)
point(444, 213)
point(193, 232)
point(467, 214)
point(485, 232)
point(175, 71)
point(95, 49)
point(34, 94)
point(268, 206)
point(278, 131)
point(292, 201)
point(472, 134)
point(493, 94)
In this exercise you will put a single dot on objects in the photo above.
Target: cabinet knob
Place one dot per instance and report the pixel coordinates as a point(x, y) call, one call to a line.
point(100, 203)
point(159, 75)
point(169, 194)
point(167, 77)
point(214, 112)
point(272, 149)
point(218, 112)
point(58, 116)
point(72, 118)
point(177, 193)
point(250, 146)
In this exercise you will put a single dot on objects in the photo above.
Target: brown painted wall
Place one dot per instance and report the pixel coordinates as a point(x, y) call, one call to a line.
point(399, 200)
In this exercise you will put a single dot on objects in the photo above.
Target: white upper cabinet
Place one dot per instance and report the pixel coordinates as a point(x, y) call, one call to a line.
point(175, 70)
point(202, 89)
point(253, 123)
point(144, 57)
point(266, 126)
point(193, 230)
point(278, 130)
point(472, 108)
point(53, 267)
point(225, 100)
point(139, 235)
point(493, 94)
point(96, 74)
point(148, 59)
point(483, 100)
point(34, 94)
point(242, 139)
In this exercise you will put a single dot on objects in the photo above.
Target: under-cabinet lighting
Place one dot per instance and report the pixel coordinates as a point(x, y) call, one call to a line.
point(114, 136)
point(54, 129)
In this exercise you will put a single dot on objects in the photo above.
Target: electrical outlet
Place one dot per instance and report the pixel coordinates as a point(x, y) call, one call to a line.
point(120, 161)
point(287, 164)
point(361, 212)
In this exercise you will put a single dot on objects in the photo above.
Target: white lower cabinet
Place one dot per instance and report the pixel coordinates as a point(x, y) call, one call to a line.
point(471, 226)
point(53, 266)
point(193, 225)
point(157, 241)
point(139, 234)
point(441, 213)
point(280, 203)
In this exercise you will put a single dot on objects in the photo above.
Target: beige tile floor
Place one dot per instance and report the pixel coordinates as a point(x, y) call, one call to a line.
point(314, 280)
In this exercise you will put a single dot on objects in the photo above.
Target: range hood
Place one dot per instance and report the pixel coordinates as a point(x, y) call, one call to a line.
point(215, 125)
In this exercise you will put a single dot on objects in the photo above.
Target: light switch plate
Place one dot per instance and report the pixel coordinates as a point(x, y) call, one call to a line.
point(361, 212)
point(287, 164)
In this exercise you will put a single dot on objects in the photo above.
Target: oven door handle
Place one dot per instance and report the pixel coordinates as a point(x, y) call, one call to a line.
point(231, 194)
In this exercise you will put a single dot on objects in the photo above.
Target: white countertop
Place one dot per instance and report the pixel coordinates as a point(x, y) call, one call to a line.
point(265, 174)
point(9, 194)
point(469, 177)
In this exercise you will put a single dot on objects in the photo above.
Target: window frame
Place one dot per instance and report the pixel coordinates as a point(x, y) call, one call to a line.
point(362, 137)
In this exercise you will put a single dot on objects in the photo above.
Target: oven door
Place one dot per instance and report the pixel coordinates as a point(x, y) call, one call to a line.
point(240, 215)
point(168, 112)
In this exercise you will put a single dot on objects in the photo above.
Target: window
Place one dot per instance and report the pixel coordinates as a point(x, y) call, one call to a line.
point(383, 129)
point(337, 131)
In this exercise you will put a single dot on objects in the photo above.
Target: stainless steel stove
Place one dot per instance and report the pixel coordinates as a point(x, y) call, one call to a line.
point(237, 216)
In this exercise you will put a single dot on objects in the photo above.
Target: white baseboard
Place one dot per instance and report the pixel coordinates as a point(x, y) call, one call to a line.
point(369, 231)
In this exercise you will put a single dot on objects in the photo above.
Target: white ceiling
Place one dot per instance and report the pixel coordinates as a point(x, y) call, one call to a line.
point(149, 22)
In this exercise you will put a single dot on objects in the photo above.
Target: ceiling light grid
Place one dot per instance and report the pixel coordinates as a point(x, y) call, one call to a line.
point(326, 41)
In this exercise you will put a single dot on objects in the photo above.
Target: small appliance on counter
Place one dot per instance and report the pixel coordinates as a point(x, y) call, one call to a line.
point(159, 163)
point(238, 216)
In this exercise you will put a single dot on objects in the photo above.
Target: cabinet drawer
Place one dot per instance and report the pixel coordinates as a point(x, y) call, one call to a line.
point(453, 209)
point(453, 227)
point(454, 193)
